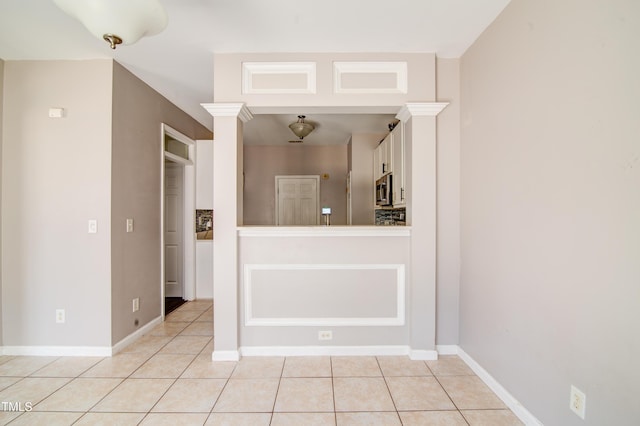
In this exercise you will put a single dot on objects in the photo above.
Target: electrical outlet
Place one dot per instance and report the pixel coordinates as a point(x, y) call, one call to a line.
point(136, 304)
point(325, 335)
point(578, 401)
point(60, 316)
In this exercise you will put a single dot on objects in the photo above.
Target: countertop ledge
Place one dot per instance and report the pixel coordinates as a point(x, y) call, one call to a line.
point(324, 231)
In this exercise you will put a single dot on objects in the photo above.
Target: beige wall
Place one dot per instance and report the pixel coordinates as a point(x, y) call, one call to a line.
point(362, 191)
point(448, 202)
point(263, 163)
point(550, 206)
point(1, 120)
point(56, 176)
point(136, 164)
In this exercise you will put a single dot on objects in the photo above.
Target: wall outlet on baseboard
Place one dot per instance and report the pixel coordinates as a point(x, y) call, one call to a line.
point(60, 316)
point(325, 335)
point(577, 401)
point(136, 304)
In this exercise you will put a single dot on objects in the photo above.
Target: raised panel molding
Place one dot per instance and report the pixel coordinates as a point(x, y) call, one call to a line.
point(372, 77)
point(278, 78)
point(397, 320)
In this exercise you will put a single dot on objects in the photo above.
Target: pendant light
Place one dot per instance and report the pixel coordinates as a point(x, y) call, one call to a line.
point(300, 128)
point(117, 21)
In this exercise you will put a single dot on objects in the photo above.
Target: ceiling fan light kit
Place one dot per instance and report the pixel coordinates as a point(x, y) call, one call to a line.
point(117, 21)
point(300, 128)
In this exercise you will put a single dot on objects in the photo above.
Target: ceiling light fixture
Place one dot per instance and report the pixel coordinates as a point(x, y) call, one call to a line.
point(300, 128)
point(117, 21)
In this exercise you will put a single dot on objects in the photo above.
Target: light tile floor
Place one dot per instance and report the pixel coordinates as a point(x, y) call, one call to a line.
point(167, 378)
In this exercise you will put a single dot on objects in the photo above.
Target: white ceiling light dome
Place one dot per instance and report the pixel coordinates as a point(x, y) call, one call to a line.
point(300, 128)
point(118, 21)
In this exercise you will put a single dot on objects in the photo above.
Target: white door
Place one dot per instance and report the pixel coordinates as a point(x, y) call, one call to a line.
point(297, 200)
point(173, 231)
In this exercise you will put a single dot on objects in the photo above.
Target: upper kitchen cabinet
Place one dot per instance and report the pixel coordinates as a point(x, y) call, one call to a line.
point(383, 158)
point(398, 160)
point(389, 157)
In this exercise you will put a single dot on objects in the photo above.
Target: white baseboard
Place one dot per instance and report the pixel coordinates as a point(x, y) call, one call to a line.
point(225, 356)
point(514, 405)
point(101, 351)
point(447, 349)
point(422, 355)
point(323, 350)
point(135, 335)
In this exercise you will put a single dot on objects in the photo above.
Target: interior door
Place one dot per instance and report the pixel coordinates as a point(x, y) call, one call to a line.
point(297, 200)
point(173, 231)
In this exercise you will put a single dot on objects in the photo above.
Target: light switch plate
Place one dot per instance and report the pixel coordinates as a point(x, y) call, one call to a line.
point(56, 112)
point(129, 225)
point(93, 226)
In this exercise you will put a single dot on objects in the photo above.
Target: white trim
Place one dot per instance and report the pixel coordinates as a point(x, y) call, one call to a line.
point(102, 351)
point(251, 321)
point(420, 109)
point(249, 69)
point(225, 356)
point(397, 68)
point(177, 159)
point(238, 110)
point(447, 349)
point(177, 135)
point(189, 208)
point(189, 237)
point(324, 350)
point(136, 335)
point(423, 355)
point(514, 405)
point(324, 231)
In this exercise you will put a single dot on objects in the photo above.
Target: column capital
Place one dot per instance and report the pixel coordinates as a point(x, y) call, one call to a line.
point(219, 109)
point(420, 109)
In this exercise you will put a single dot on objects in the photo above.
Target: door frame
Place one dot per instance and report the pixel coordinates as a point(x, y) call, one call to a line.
point(189, 205)
point(277, 203)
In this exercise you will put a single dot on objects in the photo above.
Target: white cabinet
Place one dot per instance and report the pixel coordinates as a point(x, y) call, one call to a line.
point(397, 156)
point(388, 157)
point(383, 158)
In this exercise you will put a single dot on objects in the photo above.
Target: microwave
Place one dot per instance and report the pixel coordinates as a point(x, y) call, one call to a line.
point(384, 189)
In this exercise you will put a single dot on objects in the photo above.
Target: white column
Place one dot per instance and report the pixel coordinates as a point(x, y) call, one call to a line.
point(228, 119)
point(420, 147)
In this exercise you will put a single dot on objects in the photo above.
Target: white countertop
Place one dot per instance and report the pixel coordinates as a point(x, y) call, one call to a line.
point(324, 231)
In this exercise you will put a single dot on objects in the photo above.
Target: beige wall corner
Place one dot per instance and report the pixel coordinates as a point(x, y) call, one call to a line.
point(550, 206)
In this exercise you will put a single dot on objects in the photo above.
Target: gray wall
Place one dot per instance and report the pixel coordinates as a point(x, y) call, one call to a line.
point(362, 202)
point(551, 206)
point(56, 176)
point(263, 163)
point(448, 203)
point(1, 119)
point(136, 155)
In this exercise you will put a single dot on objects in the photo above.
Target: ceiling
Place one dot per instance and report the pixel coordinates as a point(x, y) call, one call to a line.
point(178, 63)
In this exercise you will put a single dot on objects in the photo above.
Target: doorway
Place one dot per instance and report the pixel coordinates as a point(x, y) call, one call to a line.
point(178, 222)
point(297, 199)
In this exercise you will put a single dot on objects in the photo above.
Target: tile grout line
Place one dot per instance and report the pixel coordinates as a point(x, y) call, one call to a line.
point(393, 401)
point(333, 391)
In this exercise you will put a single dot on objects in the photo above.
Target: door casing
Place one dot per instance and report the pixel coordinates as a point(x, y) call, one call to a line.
point(189, 203)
